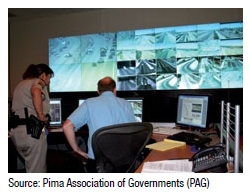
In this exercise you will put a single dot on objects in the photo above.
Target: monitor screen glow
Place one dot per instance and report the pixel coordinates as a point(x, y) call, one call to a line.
point(137, 105)
point(55, 112)
point(199, 56)
point(80, 101)
point(192, 111)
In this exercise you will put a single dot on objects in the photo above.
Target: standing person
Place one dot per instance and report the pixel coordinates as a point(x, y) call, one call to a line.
point(32, 93)
point(106, 109)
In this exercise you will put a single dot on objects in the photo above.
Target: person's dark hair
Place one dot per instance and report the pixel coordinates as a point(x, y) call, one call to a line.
point(106, 84)
point(34, 71)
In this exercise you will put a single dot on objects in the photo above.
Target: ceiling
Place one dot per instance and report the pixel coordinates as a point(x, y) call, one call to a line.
point(19, 14)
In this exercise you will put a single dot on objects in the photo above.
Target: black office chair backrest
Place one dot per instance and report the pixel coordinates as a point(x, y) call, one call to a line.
point(118, 147)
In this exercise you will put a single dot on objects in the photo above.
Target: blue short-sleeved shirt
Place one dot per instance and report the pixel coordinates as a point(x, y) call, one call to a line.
point(106, 109)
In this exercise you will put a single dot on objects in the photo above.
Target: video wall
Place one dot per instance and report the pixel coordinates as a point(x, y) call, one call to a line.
point(203, 56)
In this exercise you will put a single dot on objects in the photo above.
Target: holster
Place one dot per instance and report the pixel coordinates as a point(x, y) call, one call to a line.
point(35, 126)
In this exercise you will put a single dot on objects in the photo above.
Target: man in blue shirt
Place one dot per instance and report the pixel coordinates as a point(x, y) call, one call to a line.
point(106, 109)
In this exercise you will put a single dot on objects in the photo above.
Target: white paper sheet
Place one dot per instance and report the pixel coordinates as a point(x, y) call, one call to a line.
point(168, 166)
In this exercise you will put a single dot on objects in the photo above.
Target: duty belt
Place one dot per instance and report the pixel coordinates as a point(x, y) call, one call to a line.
point(22, 121)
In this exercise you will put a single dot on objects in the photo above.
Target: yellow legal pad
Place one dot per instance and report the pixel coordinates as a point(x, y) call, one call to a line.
point(166, 144)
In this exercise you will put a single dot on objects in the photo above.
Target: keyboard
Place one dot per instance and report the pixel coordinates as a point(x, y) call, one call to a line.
point(166, 130)
point(191, 138)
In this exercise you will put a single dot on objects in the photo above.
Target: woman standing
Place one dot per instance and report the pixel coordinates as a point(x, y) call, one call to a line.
point(32, 93)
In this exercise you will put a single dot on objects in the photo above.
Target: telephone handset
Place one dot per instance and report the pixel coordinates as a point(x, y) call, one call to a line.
point(209, 158)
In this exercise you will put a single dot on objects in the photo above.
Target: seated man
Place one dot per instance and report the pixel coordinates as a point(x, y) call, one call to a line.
point(106, 109)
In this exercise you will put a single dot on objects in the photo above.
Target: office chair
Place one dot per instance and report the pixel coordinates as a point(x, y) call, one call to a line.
point(118, 148)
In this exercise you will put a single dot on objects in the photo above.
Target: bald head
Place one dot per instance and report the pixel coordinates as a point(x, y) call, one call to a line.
point(106, 84)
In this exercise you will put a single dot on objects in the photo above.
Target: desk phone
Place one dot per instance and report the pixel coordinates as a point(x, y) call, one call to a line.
point(210, 158)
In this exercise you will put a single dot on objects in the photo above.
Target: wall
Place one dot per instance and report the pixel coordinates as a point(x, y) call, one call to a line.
point(28, 40)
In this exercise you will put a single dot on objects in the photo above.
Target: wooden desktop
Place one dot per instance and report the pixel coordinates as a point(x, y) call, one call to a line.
point(184, 152)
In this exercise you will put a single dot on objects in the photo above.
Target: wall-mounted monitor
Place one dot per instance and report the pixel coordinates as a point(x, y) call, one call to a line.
point(193, 111)
point(137, 105)
point(56, 112)
point(199, 56)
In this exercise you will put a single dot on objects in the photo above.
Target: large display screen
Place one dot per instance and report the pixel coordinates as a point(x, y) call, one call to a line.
point(203, 56)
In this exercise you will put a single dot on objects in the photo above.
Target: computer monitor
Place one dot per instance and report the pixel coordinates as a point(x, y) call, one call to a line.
point(192, 111)
point(56, 112)
point(137, 105)
point(80, 101)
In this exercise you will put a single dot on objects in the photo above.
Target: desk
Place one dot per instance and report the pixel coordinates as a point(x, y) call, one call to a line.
point(183, 152)
point(58, 158)
point(55, 130)
point(57, 140)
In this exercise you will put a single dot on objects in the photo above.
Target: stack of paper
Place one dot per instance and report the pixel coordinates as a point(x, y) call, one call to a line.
point(166, 144)
point(170, 166)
